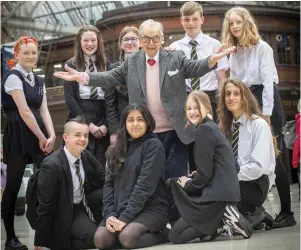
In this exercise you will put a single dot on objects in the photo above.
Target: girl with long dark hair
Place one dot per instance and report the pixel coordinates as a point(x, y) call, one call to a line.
point(89, 101)
point(135, 207)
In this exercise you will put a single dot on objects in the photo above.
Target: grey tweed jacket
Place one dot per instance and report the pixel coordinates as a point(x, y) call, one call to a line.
point(174, 69)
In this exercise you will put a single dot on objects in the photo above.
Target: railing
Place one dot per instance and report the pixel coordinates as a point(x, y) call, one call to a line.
point(55, 92)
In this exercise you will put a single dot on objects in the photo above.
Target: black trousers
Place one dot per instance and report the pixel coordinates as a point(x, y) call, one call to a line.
point(253, 194)
point(82, 229)
point(15, 171)
point(277, 123)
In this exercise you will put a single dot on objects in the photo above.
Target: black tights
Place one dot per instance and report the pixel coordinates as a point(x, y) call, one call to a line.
point(283, 186)
point(134, 235)
point(15, 171)
point(181, 232)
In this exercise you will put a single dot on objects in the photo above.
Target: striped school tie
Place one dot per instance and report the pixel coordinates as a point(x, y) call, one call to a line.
point(28, 77)
point(195, 82)
point(93, 89)
point(235, 139)
point(77, 166)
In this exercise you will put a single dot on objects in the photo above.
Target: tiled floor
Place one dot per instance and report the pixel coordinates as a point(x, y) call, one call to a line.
point(286, 238)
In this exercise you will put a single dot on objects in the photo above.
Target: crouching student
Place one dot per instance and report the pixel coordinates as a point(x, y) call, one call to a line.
point(69, 193)
point(253, 148)
point(204, 198)
point(135, 203)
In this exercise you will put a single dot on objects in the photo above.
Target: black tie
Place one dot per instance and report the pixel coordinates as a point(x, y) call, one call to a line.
point(235, 139)
point(81, 184)
point(195, 82)
point(93, 89)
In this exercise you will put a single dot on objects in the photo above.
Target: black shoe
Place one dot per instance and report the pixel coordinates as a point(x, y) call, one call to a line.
point(260, 226)
point(284, 219)
point(15, 244)
point(256, 217)
point(268, 220)
point(236, 222)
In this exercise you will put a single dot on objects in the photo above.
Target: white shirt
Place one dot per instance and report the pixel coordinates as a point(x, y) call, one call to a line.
point(85, 91)
point(76, 187)
point(256, 154)
point(206, 46)
point(13, 82)
point(255, 66)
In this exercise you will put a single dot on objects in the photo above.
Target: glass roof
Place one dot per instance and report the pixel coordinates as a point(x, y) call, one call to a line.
point(49, 19)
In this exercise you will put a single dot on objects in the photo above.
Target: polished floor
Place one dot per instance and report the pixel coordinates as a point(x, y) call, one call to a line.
point(285, 238)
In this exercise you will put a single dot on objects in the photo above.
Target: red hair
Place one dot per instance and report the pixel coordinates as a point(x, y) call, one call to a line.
point(24, 40)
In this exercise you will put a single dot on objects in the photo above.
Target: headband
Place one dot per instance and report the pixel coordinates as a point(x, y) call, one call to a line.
point(24, 40)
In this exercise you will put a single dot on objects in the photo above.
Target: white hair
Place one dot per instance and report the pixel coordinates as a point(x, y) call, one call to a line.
point(151, 23)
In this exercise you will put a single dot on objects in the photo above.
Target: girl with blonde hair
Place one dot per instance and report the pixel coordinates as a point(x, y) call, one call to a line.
point(253, 64)
point(204, 198)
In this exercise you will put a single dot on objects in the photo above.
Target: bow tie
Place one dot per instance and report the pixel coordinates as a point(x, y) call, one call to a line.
point(151, 62)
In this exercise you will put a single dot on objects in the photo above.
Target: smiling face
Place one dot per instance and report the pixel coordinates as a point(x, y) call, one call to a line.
point(27, 55)
point(76, 138)
point(135, 124)
point(192, 24)
point(233, 98)
point(196, 112)
point(150, 47)
point(130, 43)
point(88, 43)
point(236, 25)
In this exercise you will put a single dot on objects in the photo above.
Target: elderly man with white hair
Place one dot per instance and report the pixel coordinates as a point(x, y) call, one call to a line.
point(156, 77)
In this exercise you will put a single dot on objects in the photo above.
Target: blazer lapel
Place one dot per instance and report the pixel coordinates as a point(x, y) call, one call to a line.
point(66, 167)
point(86, 165)
point(141, 68)
point(163, 60)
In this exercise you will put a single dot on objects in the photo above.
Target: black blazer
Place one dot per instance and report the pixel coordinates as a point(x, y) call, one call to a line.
point(116, 99)
point(55, 196)
point(216, 178)
point(73, 100)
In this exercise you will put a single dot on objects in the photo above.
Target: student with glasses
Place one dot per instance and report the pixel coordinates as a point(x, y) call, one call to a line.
point(117, 98)
point(157, 78)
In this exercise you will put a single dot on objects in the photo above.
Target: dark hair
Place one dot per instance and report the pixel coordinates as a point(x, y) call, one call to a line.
point(79, 61)
point(116, 153)
point(249, 104)
point(78, 119)
point(124, 31)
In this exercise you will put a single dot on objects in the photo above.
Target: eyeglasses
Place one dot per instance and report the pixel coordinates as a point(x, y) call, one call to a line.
point(155, 39)
point(132, 39)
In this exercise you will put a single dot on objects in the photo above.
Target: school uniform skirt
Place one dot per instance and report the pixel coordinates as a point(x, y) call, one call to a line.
point(203, 216)
point(18, 139)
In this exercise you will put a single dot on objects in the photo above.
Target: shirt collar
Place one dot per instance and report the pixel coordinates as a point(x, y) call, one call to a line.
point(93, 57)
point(198, 38)
point(70, 157)
point(242, 119)
point(22, 70)
point(156, 57)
